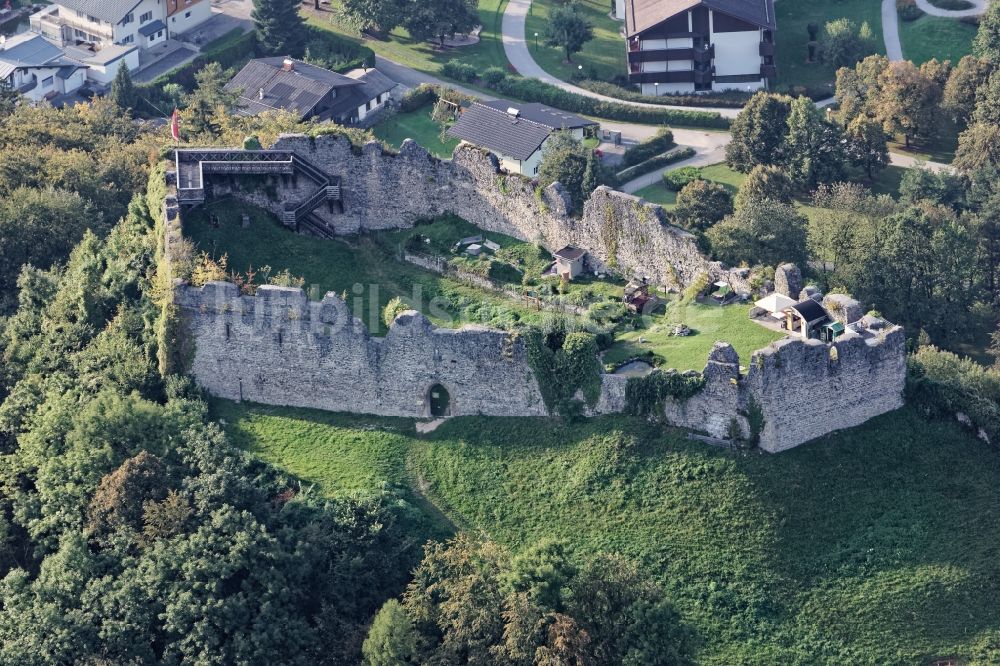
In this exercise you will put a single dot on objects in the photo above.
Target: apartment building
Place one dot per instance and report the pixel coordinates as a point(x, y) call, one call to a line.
point(100, 23)
point(675, 46)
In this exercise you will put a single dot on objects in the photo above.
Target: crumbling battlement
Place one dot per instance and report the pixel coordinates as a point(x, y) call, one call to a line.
point(277, 347)
point(383, 190)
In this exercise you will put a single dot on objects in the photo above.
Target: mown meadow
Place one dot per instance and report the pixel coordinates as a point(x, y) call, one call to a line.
point(873, 545)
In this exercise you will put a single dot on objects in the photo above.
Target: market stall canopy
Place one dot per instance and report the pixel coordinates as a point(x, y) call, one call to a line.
point(775, 302)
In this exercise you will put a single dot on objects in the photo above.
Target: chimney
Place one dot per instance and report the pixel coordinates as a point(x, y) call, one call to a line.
point(288, 65)
point(260, 94)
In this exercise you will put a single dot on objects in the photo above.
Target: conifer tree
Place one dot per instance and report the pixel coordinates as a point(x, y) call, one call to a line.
point(123, 92)
point(279, 26)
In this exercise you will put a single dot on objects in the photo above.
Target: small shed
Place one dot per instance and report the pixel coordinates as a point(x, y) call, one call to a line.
point(491, 246)
point(637, 295)
point(831, 330)
point(475, 249)
point(804, 317)
point(569, 261)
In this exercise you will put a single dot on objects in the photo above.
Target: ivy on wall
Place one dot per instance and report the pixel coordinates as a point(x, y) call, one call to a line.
point(647, 396)
point(565, 363)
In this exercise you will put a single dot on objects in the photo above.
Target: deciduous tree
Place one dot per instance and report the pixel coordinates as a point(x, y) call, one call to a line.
point(759, 132)
point(700, 204)
point(813, 147)
point(987, 43)
point(761, 232)
point(960, 92)
point(568, 29)
point(866, 145)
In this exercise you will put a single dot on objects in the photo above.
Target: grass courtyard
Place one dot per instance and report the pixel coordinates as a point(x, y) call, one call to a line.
point(602, 58)
point(709, 323)
point(419, 126)
point(872, 545)
point(367, 270)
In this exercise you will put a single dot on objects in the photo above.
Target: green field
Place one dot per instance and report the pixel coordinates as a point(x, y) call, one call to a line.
point(934, 37)
point(792, 36)
point(870, 546)
point(419, 126)
point(602, 58)
point(424, 56)
point(709, 323)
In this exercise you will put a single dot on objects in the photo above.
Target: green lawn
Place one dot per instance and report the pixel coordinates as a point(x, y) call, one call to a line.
point(791, 38)
point(716, 173)
point(364, 268)
point(934, 37)
point(874, 545)
point(419, 126)
point(423, 56)
point(709, 323)
point(602, 58)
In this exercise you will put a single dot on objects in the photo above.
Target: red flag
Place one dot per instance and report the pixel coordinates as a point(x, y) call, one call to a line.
point(175, 126)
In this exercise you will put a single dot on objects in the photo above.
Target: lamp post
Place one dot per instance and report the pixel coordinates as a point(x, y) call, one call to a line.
point(536, 41)
point(656, 88)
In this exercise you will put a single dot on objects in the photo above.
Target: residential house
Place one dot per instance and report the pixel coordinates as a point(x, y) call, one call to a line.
point(677, 46)
point(37, 68)
point(268, 84)
point(102, 23)
point(517, 133)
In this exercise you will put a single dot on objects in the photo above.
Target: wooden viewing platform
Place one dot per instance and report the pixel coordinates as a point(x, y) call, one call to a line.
point(193, 164)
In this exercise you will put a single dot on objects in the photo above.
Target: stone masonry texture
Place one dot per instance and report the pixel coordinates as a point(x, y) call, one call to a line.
point(277, 347)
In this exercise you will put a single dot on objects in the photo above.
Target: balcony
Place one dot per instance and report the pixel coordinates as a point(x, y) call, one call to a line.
point(703, 76)
point(766, 49)
point(703, 55)
point(682, 76)
point(659, 55)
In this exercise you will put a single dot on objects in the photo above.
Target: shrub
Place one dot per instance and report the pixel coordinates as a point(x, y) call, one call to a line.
point(533, 90)
point(731, 99)
point(492, 76)
point(658, 162)
point(646, 396)
point(943, 385)
point(908, 10)
point(676, 180)
point(417, 98)
point(660, 143)
point(393, 309)
point(460, 71)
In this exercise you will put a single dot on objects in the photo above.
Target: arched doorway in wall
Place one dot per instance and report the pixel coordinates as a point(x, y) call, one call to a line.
point(439, 401)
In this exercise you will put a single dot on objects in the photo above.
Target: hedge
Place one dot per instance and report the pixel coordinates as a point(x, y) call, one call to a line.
point(733, 99)
point(677, 179)
point(460, 71)
point(533, 90)
point(659, 143)
point(417, 98)
point(669, 157)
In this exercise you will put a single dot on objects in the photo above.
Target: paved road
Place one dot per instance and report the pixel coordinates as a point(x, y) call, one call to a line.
point(516, 48)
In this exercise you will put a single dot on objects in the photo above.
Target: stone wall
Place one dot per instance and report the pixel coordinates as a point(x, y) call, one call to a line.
point(382, 190)
point(279, 348)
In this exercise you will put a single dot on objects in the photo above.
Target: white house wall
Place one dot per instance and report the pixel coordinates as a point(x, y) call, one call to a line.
point(128, 33)
point(190, 17)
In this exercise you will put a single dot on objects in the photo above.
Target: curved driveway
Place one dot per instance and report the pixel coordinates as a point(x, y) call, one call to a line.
point(890, 21)
point(516, 48)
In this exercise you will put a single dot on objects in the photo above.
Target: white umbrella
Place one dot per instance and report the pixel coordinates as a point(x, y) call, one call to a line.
point(775, 302)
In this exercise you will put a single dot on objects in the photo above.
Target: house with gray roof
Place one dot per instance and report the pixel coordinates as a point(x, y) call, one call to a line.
point(311, 92)
point(38, 69)
point(681, 46)
point(516, 132)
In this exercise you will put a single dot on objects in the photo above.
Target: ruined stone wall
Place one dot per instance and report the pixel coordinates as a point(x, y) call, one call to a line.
point(279, 348)
point(808, 388)
point(383, 190)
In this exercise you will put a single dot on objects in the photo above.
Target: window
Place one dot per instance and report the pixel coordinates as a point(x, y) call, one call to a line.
point(148, 16)
point(536, 170)
point(187, 14)
point(128, 18)
point(129, 39)
point(47, 81)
